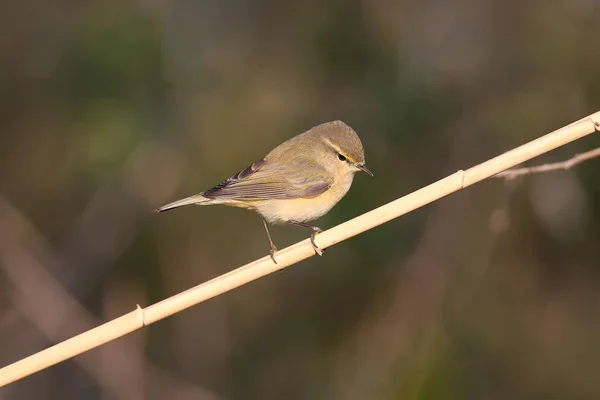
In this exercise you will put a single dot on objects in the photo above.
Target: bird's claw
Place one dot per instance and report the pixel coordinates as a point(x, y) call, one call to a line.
point(316, 248)
point(272, 254)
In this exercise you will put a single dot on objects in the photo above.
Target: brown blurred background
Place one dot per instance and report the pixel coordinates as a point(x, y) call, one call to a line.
point(111, 108)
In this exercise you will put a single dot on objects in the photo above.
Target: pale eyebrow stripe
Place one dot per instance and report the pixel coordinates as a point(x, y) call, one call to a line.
point(336, 148)
point(333, 146)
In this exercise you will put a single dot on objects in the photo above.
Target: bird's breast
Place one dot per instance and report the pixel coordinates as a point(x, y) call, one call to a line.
point(303, 210)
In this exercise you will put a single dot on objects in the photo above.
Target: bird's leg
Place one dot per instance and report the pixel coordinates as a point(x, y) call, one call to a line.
point(316, 230)
point(273, 248)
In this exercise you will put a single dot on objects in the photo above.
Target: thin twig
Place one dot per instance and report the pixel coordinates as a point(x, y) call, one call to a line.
point(562, 165)
point(297, 252)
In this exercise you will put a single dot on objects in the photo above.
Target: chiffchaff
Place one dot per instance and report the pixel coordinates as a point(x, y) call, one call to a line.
point(297, 182)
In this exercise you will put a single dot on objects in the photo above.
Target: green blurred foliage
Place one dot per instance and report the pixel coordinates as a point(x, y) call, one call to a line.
point(110, 109)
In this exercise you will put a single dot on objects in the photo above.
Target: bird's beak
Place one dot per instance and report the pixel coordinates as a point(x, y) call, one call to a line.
point(364, 168)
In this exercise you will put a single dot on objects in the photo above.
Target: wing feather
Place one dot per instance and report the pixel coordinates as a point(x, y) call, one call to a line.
point(263, 180)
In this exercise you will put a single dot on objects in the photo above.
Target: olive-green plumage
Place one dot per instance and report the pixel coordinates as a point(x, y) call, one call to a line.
point(298, 181)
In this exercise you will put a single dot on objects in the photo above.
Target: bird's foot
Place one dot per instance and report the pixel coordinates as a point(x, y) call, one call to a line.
point(272, 253)
point(273, 248)
point(315, 229)
point(316, 248)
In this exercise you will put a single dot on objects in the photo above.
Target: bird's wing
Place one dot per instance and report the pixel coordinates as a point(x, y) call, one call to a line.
point(263, 180)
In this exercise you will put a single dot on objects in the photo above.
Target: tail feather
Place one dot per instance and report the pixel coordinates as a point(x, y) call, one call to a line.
point(195, 199)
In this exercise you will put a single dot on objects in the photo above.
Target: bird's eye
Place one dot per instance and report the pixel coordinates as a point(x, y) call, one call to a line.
point(341, 157)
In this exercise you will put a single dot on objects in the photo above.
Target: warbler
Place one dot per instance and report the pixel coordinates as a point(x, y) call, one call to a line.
point(297, 182)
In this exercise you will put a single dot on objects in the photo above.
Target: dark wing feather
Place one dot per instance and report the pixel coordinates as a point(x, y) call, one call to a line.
point(263, 180)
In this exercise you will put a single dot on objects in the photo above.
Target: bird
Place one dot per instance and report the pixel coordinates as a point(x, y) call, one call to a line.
point(297, 182)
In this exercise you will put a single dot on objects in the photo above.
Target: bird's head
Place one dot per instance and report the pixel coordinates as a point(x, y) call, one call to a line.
point(342, 147)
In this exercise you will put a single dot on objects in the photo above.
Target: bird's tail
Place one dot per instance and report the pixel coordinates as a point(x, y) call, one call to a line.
point(195, 199)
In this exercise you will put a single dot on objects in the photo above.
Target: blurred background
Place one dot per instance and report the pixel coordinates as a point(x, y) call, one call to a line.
point(109, 109)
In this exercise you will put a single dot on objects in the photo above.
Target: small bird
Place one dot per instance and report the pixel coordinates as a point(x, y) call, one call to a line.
point(297, 182)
